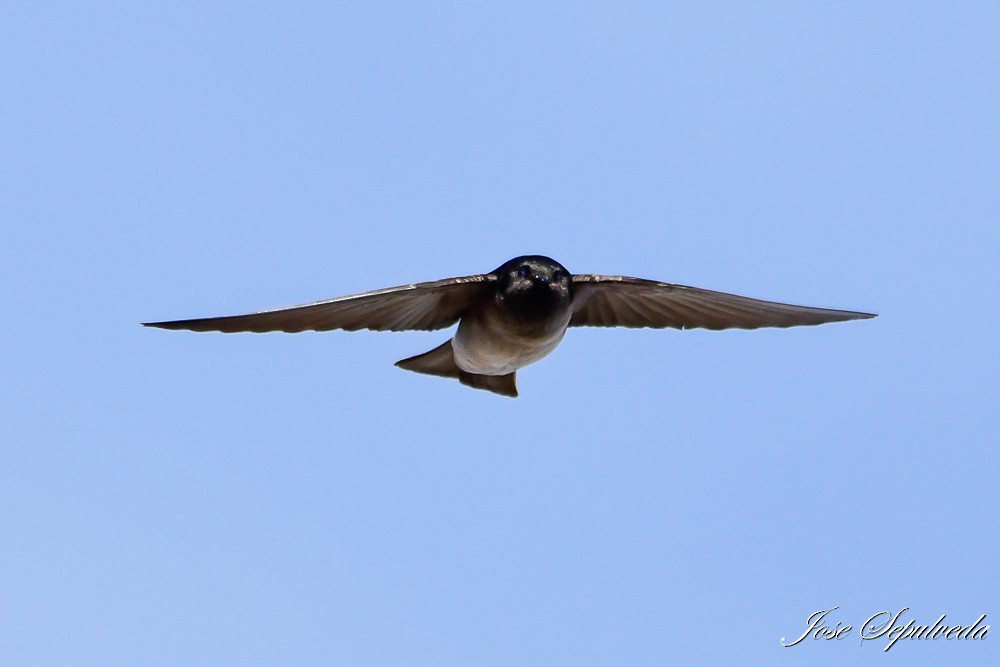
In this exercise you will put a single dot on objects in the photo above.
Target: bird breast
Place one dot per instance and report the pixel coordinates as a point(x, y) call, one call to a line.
point(489, 343)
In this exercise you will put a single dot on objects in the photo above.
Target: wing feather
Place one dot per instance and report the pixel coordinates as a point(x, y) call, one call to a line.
point(420, 306)
point(621, 301)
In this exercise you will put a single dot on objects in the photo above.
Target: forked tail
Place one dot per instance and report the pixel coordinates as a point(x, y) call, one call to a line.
point(441, 361)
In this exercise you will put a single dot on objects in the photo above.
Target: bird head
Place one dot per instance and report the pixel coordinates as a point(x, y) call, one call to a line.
point(533, 286)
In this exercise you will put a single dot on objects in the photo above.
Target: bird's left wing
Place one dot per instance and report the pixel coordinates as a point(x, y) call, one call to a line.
point(422, 306)
point(620, 301)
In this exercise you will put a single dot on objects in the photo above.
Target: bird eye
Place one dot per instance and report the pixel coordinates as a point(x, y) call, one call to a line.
point(523, 271)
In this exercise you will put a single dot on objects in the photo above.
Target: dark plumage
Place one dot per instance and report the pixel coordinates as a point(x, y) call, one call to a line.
point(518, 314)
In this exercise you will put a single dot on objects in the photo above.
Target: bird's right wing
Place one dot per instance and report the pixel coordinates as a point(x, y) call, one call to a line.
point(423, 306)
point(620, 301)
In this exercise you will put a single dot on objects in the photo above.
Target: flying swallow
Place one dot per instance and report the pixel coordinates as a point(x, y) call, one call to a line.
point(518, 314)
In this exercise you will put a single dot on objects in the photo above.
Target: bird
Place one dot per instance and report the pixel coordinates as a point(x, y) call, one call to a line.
point(517, 314)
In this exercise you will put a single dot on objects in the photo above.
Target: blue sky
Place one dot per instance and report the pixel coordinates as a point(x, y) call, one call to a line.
point(653, 497)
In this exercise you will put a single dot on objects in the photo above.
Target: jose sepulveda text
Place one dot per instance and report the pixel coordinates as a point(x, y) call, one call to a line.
point(888, 627)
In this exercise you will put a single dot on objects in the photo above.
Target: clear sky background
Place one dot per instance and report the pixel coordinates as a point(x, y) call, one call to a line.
point(653, 497)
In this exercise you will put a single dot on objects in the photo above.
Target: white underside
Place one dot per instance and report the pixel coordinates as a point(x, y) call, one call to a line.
point(479, 349)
